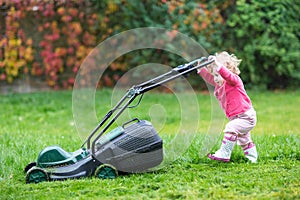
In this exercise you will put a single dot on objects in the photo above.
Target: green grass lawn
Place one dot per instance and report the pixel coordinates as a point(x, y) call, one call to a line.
point(31, 122)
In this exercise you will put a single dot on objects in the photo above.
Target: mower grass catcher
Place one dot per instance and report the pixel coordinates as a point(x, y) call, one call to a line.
point(133, 147)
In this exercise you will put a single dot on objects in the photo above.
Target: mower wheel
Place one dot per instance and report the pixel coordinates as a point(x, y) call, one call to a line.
point(29, 166)
point(106, 171)
point(36, 175)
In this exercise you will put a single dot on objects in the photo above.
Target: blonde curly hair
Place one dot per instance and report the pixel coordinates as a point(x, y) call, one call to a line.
point(230, 61)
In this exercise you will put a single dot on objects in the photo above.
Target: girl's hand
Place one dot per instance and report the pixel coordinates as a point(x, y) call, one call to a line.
point(214, 66)
point(211, 67)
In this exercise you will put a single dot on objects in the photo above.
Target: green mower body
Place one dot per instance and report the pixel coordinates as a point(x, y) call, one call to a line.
point(56, 156)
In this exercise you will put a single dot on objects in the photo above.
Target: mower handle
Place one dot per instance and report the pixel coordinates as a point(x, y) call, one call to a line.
point(137, 90)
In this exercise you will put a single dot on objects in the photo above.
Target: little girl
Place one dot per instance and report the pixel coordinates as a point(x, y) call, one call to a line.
point(233, 99)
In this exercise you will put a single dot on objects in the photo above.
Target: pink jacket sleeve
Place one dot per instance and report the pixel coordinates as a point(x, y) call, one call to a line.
point(207, 76)
point(228, 76)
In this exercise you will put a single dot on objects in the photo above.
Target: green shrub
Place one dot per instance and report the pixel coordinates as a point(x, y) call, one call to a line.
point(265, 34)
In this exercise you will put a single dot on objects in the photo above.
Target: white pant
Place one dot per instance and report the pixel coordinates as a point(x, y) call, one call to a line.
point(241, 125)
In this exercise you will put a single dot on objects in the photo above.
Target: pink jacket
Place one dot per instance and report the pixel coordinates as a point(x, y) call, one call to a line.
point(231, 94)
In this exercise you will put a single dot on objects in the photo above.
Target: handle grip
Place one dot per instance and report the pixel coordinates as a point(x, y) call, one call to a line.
point(184, 67)
point(126, 123)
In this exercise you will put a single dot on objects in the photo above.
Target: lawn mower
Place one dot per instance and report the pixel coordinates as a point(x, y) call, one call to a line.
point(131, 148)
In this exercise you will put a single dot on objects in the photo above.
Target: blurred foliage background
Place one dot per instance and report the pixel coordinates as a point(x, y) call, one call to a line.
point(49, 39)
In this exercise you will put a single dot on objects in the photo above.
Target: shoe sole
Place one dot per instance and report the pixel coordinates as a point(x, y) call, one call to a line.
point(212, 157)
